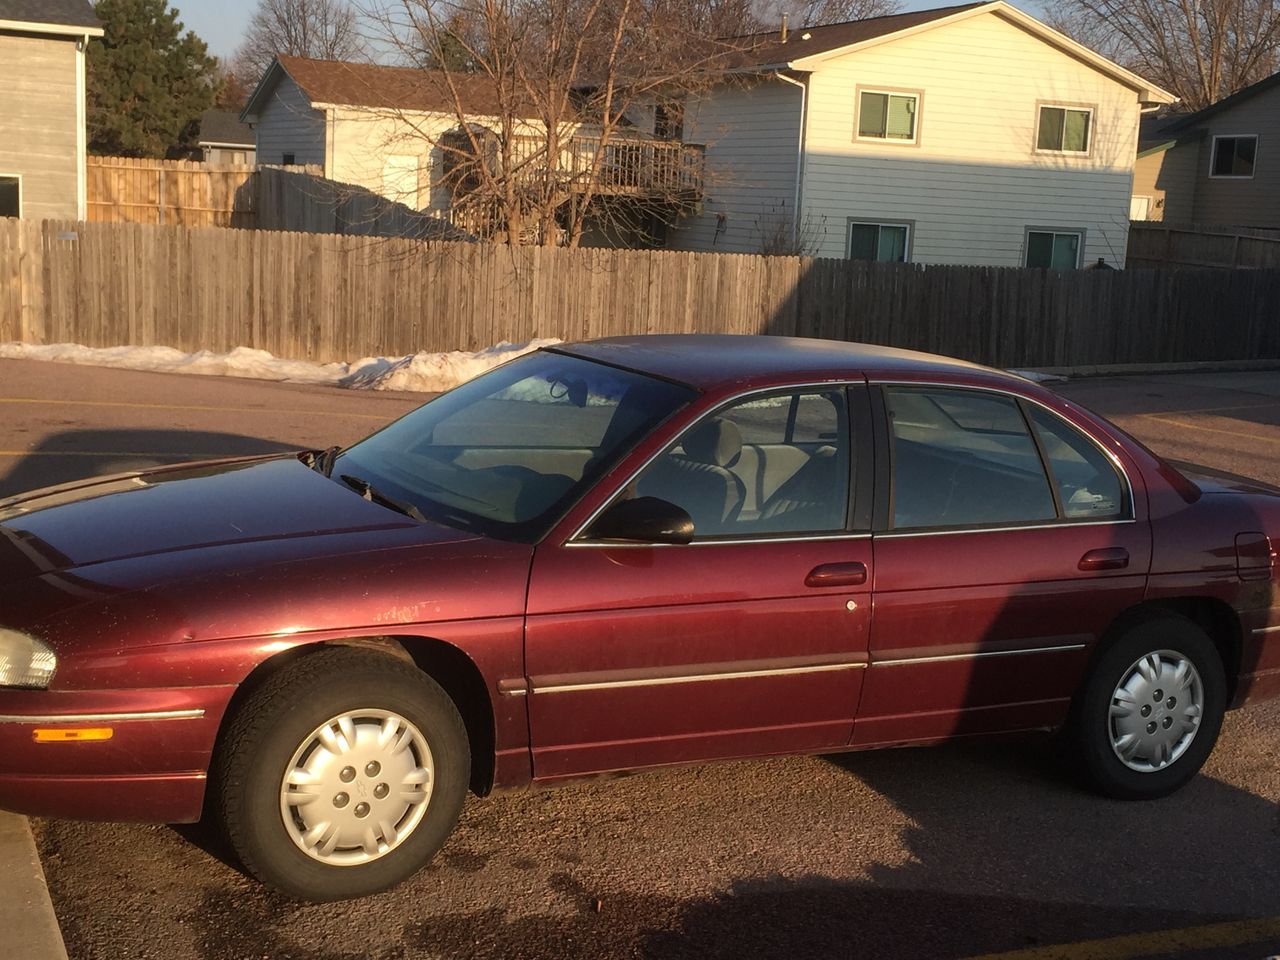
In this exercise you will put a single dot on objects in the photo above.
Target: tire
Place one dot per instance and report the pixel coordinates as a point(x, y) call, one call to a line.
point(369, 823)
point(1157, 659)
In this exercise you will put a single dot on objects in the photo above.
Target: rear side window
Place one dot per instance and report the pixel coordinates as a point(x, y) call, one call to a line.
point(1089, 486)
point(963, 458)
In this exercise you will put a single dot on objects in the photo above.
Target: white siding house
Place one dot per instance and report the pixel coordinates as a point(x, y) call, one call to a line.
point(42, 107)
point(970, 134)
point(382, 128)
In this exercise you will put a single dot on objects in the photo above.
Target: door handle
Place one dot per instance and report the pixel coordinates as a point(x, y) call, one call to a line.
point(1105, 558)
point(837, 575)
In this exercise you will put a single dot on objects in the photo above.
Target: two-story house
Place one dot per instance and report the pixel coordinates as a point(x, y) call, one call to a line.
point(1217, 167)
point(969, 134)
point(42, 106)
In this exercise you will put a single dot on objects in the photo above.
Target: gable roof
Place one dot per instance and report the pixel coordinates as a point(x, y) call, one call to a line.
point(224, 127)
point(768, 49)
point(337, 83)
point(838, 39)
point(74, 17)
point(1226, 103)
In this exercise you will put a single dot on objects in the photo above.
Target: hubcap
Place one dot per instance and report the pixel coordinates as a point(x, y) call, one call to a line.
point(357, 787)
point(1155, 711)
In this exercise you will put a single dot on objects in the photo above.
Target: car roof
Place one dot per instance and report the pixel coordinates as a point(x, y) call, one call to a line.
point(710, 361)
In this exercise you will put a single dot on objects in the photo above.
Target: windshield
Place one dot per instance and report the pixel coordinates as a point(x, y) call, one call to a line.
point(507, 453)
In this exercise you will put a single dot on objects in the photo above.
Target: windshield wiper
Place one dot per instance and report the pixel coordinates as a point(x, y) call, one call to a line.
point(321, 460)
point(367, 490)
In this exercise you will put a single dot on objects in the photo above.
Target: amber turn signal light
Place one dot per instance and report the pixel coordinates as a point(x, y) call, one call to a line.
point(70, 734)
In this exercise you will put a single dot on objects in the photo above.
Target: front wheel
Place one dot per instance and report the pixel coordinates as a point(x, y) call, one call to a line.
point(342, 775)
point(1150, 710)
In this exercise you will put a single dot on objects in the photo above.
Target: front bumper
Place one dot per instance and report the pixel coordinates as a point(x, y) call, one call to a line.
point(153, 768)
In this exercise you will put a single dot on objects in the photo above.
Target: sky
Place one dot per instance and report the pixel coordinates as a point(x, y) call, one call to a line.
point(221, 23)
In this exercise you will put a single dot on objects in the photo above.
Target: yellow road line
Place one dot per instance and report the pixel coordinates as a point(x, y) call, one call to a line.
point(1132, 946)
point(183, 455)
point(1241, 406)
point(210, 409)
point(1227, 433)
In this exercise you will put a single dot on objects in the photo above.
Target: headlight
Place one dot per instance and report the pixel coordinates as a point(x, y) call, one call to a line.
point(25, 661)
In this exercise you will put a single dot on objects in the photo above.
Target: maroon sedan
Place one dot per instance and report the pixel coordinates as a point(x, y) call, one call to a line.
point(615, 555)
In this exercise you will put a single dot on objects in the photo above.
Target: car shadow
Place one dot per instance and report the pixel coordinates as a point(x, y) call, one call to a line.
point(79, 454)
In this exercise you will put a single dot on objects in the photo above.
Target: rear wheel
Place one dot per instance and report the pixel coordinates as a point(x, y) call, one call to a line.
point(342, 775)
point(1149, 713)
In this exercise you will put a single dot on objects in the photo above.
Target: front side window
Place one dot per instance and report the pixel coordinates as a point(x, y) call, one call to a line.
point(1234, 156)
point(10, 197)
point(1053, 249)
point(1064, 129)
point(882, 242)
point(771, 465)
point(963, 459)
point(887, 116)
point(507, 453)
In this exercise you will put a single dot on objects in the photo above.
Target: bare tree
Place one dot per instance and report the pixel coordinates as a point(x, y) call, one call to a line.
point(1200, 50)
point(564, 114)
point(323, 29)
point(814, 13)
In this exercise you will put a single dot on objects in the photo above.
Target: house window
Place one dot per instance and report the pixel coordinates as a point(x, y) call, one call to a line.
point(10, 196)
point(289, 159)
point(1054, 249)
point(668, 121)
point(1234, 156)
point(887, 116)
point(1065, 129)
point(882, 242)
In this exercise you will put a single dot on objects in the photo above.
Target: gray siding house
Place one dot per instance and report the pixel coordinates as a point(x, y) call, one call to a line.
point(1217, 167)
point(224, 141)
point(42, 107)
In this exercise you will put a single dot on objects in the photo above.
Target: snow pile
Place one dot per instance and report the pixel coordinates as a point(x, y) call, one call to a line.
point(423, 372)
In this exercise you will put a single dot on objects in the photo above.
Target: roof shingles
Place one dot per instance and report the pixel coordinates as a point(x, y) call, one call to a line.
point(768, 49)
point(65, 13)
point(389, 88)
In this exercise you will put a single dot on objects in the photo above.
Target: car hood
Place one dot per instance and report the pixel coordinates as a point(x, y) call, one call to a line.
point(262, 548)
point(185, 508)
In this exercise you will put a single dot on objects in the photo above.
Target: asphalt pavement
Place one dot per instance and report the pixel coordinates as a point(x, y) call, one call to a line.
point(968, 850)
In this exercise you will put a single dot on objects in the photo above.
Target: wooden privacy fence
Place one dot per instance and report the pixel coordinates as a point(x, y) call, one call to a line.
point(1165, 245)
point(177, 192)
point(326, 297)
point(291, 198)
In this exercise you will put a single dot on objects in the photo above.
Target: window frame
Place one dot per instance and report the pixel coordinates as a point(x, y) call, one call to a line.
point(882, 525)
point(1090, 108)
point(1080, 232)
point(861, 483)
point(17, 177)
point(917, 95)
point(1213, 155)
point(851, 222)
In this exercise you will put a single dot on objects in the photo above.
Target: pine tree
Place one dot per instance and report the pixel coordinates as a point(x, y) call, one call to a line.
point(148, 82)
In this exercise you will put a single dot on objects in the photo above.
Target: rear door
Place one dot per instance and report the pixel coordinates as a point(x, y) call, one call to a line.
point(1007, 543)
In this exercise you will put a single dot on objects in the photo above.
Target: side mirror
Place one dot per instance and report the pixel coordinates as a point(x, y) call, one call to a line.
point(643, 520)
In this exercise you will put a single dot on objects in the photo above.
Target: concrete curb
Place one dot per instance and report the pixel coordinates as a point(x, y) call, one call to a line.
point(26, 912)
point(1141, 369)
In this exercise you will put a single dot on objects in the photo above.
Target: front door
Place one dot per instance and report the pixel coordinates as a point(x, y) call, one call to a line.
point(1011, 545)
point(750, 640)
